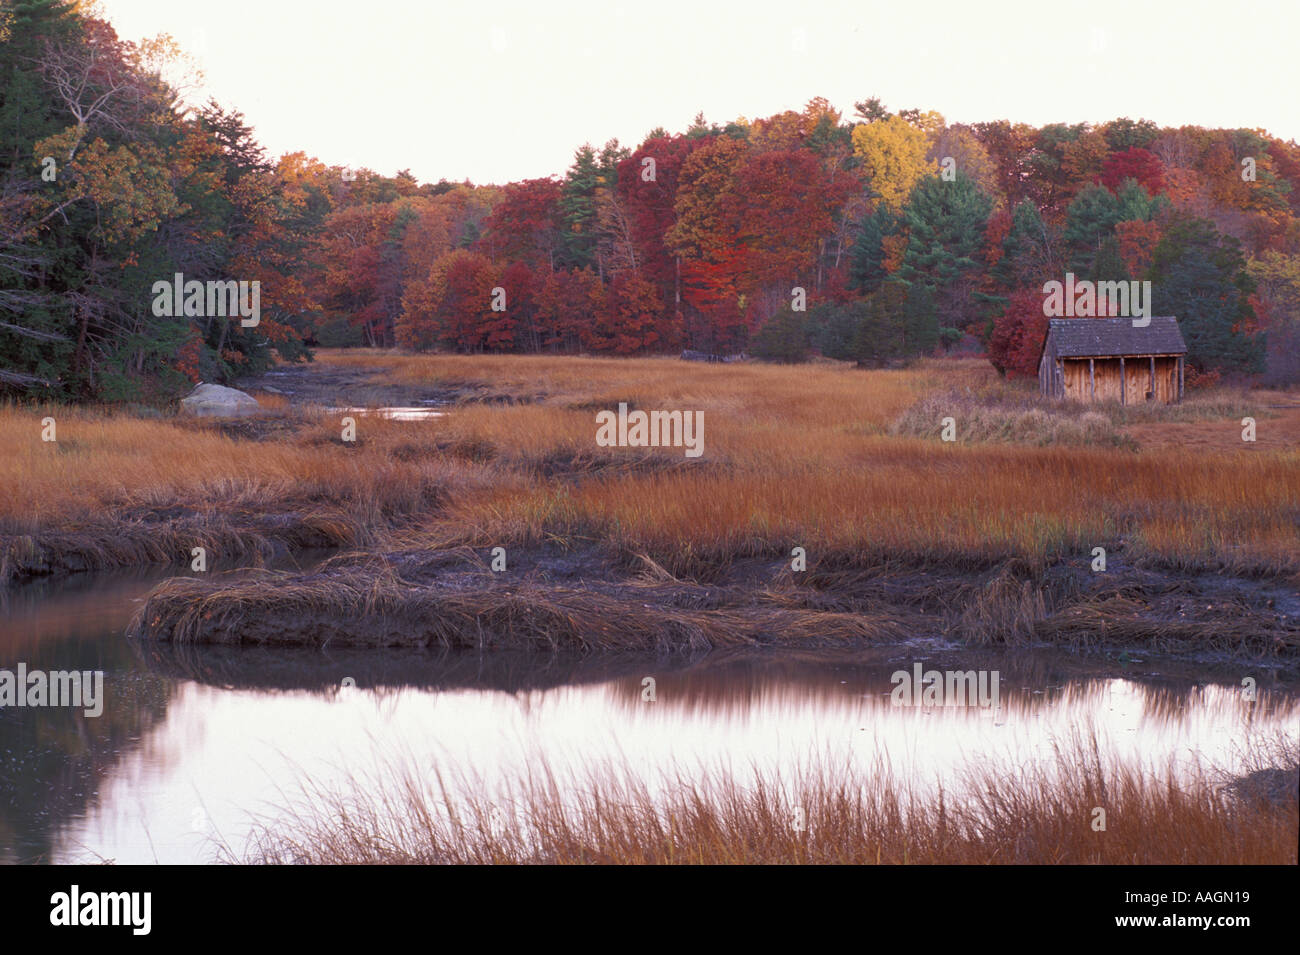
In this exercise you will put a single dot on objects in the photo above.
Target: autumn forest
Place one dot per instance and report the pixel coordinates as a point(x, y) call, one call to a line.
point(873, 235)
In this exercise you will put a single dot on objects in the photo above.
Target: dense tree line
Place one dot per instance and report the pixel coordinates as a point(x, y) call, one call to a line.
point(873, 237)
point(107, 187)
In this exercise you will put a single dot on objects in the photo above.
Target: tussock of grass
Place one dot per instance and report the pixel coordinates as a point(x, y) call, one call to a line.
point(1197, 406)
point(1008, 609)
point(1122, 621)
point(1024, 814)
point(374, 606)
point(979, 419)
point(451, 599)
point(1015, 415)
point(123, 544)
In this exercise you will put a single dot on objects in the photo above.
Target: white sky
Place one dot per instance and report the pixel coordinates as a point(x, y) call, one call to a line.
point(500, 90)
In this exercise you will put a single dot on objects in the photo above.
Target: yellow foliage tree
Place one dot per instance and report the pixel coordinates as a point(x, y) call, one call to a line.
point(893, 154)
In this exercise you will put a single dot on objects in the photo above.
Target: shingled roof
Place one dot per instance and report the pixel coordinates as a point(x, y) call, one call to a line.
point(1095, 337)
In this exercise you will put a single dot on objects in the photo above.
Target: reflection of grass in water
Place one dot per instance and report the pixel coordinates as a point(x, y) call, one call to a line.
point(731, 685)
point(1026, 815)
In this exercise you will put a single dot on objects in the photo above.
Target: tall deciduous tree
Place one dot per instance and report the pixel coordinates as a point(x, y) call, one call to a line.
point(894, 157)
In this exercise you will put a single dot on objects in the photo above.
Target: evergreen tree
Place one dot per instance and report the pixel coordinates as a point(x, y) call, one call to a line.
point(867, 267)
point(1028, 257)
point(921, 331)
point(1108, 266)
point(578, 211)
point(946, 223)
point(831, 327)
point(782, 338)
point(1091, 219)
point(1200, 276)
point(880, 338)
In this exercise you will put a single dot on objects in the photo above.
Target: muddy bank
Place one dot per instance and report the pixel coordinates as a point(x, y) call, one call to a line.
point(558, 600)
point(333, 385)
point(162, 536)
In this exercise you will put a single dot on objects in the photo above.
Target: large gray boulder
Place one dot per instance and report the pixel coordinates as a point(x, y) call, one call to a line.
point(216, 401)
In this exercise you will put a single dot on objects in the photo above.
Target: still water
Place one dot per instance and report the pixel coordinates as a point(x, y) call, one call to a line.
point(394, 412)
point(193, 742)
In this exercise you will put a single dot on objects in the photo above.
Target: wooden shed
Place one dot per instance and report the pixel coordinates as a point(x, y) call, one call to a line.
point(1109, 359)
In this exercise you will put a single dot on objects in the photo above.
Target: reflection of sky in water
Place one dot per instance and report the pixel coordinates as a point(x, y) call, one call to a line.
point(221, 754)
point(393, 413)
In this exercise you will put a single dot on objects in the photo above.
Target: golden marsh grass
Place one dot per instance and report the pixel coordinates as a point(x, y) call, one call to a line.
point(793, 456)
point(816, 814)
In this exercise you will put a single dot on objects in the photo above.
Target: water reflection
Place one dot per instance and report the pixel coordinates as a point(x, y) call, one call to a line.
point(56, 760)
point(193, 740)
point(394, 412)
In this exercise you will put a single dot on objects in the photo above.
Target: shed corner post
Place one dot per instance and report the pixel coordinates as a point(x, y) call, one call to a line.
point(1181, 358)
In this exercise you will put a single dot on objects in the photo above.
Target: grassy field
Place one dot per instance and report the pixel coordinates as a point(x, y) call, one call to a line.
point(847, 464)
point(1035, 814)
